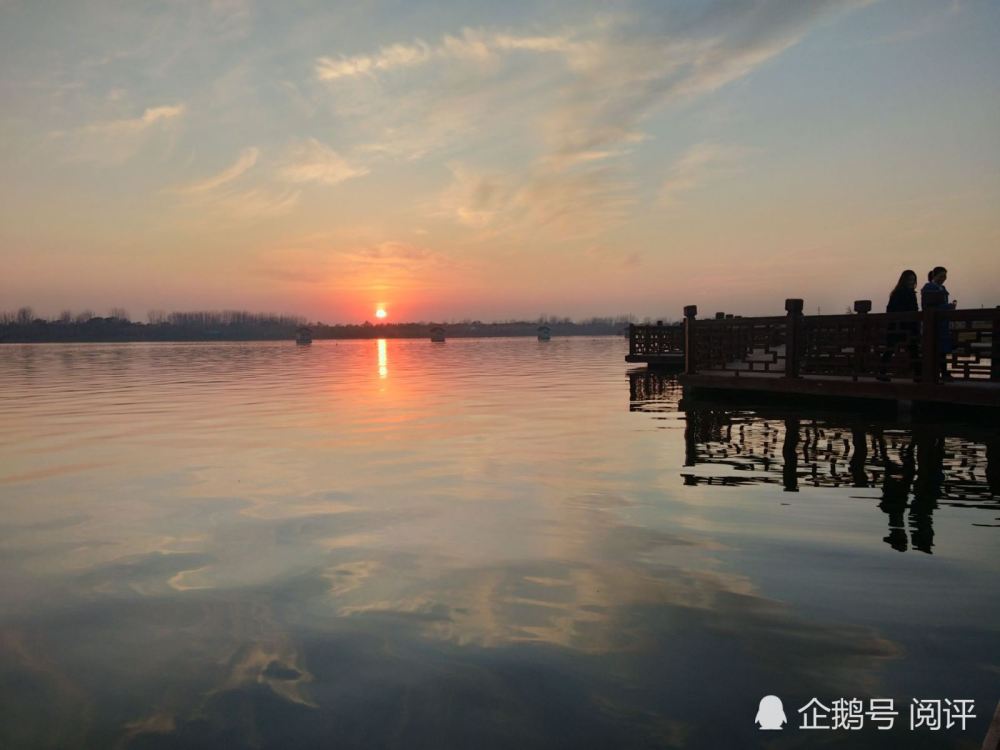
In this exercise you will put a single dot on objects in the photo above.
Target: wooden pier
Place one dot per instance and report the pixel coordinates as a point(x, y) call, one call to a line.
point(935, 356)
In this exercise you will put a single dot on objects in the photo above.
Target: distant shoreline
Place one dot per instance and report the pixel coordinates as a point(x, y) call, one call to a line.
point(373, 337)
point(109, 331)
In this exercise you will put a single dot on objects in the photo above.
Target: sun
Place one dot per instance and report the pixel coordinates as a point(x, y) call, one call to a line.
point(380, 313)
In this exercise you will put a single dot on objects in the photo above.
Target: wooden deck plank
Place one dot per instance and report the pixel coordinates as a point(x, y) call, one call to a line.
point(969, 394)
point(670, 359)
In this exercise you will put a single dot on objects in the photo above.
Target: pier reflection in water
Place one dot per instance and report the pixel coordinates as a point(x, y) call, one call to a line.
point(913, 468)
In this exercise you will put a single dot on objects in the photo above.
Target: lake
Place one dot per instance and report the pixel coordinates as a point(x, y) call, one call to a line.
point(486, 543)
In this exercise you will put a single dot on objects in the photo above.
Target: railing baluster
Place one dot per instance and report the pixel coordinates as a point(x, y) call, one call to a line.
point(861, 307)
point(929, 346)
point(995, 350)
point(690, 312)
point(793, 337)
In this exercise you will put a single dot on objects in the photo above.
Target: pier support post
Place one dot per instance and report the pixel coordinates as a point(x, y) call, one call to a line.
point(790, 455)
point(904, 410)
point(861, 341)
point(793, 338)
point(690, 312)
point(995, 358)
point(929, 339)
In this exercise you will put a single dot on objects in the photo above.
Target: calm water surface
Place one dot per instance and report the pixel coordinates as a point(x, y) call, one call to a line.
point(485, 543)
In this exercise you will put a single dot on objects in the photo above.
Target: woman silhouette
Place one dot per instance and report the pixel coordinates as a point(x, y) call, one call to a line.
point(903, 298)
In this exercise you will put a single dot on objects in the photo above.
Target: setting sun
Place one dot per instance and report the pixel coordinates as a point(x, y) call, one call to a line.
point(380, 313)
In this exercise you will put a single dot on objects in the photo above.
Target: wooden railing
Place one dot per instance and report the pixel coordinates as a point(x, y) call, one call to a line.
point(919, 346)
point(975, 338)
point(741, 345)
point(655, 340)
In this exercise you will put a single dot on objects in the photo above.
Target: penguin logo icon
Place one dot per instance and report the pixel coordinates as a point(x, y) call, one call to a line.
point(770, 713)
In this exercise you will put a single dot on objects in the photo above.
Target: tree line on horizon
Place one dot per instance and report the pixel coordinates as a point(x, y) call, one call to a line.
point(23, 326)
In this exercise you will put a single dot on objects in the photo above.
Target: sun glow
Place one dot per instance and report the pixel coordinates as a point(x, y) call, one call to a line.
point(380, 313)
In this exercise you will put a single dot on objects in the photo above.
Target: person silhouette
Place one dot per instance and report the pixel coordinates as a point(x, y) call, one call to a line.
point(934, 296)
point(897, 481)
point(770, 713)
point(927, 487)
point(903, 298)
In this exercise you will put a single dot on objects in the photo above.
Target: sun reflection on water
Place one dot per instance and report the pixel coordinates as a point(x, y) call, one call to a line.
point(383, 360)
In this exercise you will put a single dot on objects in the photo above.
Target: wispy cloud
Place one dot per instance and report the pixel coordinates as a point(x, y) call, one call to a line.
point(229, 192)
point(338, 259)
point(475, 199)
point(244, 162)
point(256, 203)
point(637, 65)
point(393, 250)
point(606, 77)
point(575, 117)
point(312, 161)
point(935, 20)
point(148, 118)
point(564, 203)
point(698, 165)
point(117, 140)
point(468, 45)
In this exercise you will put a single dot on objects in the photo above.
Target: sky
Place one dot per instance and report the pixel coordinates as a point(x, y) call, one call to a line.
point(486, 160)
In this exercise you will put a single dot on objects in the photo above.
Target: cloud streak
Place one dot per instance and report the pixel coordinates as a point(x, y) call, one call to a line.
point(562, 203)
point(227, 193)
point(244, 162)
point(312, 161)
point(337, 260)
point(698, 165)
point(151, 116)
point(468, 45)
point(118, 140)
point(576, 117)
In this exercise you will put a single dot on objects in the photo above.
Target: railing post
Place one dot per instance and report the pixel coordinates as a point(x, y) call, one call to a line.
point(720, 316)
point(631, 339)
point(690, 312)
point(929, 345)
point(861, 307)
point(995, 350)
point(793, 338)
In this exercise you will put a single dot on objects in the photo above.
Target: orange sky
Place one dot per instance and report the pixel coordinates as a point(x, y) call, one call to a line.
point(450, 161)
